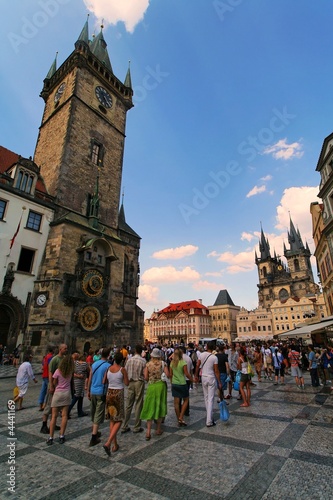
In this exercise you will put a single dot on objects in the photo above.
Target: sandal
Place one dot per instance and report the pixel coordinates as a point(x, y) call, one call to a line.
point(244, 405)
point(182, 423)
point(148, 436)
point(107, 450)
point(159, 433)
point(115, 448)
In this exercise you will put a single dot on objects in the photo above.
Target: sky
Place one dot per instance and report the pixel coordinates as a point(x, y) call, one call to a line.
point(231, 109)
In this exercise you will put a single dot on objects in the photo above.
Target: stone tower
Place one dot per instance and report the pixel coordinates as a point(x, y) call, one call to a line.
point(280, 281)
point(86, 289)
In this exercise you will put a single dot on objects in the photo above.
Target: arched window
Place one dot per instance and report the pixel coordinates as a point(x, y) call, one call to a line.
point(296, 265)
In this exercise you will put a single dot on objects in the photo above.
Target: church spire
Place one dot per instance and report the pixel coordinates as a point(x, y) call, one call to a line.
point(84, 35)
point(99, 48)
point(264, 247)
point(128, 80)
point(294, 238)
point(53, 67)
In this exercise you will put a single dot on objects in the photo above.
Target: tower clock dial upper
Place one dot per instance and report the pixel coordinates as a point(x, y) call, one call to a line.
point(103, 96)
point(59, 92)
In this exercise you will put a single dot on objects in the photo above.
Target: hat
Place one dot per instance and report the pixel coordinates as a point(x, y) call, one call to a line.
point(155, 353)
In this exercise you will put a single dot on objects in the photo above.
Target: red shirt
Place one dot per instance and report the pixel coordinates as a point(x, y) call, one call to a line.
point(46, 362)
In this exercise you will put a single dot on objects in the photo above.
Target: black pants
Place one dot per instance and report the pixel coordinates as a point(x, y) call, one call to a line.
point(314, 377)
point(79, 401)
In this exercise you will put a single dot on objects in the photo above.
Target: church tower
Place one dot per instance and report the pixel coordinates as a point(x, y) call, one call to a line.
point(280, 281)
point(86, 290)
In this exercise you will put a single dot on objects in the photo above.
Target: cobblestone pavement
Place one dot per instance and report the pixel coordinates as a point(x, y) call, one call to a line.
point(281, 447)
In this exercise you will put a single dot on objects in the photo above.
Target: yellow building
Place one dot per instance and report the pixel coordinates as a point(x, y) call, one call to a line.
point(223, 317)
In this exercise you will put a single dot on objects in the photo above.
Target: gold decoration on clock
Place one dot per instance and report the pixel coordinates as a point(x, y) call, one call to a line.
point(92, 283)
point(90, 318)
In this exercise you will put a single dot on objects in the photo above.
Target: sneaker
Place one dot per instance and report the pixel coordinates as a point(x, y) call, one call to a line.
point(45, 429)
point(49, 441)
point(62, 439)
point(212, 424)
point(83, 414)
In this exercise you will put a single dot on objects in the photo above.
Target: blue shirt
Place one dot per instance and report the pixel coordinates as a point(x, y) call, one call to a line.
point(312, 357)
point(97, 386)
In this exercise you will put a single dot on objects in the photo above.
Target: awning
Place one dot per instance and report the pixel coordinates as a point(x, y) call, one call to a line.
point(305, 331)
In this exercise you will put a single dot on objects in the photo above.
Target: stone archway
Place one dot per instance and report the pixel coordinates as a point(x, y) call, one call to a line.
point(12, 320)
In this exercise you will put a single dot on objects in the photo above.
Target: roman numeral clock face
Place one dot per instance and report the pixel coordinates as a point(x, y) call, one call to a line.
point(103, 96)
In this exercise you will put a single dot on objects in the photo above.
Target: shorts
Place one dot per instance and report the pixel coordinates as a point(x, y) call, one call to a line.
point(180, 391)
point(245, 377)
point(97, 408)
point(279, 371)
point(296, 371)
point(22, 390)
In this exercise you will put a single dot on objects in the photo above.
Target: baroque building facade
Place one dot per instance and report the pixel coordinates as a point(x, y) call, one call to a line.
point(181, 322)
point(85, 289)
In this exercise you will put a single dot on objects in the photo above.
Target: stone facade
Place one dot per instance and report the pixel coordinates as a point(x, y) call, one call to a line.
point(89, 275)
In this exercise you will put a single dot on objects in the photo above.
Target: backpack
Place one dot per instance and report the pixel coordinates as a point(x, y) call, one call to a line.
point(194, 357)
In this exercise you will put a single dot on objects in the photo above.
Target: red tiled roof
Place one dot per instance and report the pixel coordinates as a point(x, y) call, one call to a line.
point(183, 306)
point(7, 159)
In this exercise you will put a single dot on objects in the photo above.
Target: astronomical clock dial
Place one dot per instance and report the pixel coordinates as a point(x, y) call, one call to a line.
point(92, 283)
point(90, 318)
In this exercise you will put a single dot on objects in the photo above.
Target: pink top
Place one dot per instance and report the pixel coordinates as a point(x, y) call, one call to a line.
point(64, 384)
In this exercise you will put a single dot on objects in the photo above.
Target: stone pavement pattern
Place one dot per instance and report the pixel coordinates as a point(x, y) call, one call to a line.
point(279, 448)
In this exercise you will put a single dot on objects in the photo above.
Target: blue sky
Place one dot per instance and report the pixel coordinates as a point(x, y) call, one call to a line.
point(232, 104)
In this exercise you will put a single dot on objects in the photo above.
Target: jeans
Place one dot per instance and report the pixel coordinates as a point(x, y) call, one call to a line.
point(79, 401)
point(43, 390)
point(314, 377)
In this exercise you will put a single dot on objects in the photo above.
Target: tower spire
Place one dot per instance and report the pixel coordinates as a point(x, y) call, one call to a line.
point(53, 67)
point(99, 48)
point(128, 80)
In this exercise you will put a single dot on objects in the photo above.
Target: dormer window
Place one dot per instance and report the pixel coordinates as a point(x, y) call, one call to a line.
point(24, 181)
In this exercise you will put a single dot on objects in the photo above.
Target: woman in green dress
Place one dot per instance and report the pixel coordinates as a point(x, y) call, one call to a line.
point(155, 403)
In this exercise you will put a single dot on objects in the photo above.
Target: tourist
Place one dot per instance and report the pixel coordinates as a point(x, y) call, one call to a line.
point(136, 388)
point(313, 367)
point(61, 385)
point(232, 360)
point(16, 355)
point(155, 403)
point(296, 371)
point(180, 389)
point(278, 366)
point(116, 377)
point(224, 370)
point(53, 365)
point(45, 375)
point(258, 362)
point(207, 365)
point(24, 373)
point(245, 382)
point(80, 379)
point(96, 394)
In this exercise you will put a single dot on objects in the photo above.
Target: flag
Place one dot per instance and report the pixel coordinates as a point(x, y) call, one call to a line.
point(17, 230)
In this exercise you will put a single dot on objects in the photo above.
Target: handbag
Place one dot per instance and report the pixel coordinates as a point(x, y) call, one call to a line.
point(164, 378)
point(237, 380)
point(224, 411)
point(249, 370)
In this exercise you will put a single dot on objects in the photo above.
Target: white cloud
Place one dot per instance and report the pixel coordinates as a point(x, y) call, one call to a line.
point(248, 236)
point(214, 274)
point(175, 253)
point(256, 190)
point(266, 178)
point(148, 293)
point(169, 274)
point(236, 263)
point(207, 285)
point(130, 12)
point(295, 204)
point(283, 151)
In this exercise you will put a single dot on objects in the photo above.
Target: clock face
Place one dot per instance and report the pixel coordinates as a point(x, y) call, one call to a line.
point(41, 299)
point(92, 283)
point(90, 318)
point(59, 92)
point(103, 96)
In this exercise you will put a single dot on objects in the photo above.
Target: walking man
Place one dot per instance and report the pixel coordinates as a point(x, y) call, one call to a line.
point(210, 375)
point(45, 375)
point(24, 373)
point(97, 394)
point(136, 387)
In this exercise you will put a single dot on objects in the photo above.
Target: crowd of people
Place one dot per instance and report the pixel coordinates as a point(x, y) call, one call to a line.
point(103, 374)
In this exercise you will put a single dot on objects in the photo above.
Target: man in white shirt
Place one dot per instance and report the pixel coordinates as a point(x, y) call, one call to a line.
point(24, 373)
point(210, 375)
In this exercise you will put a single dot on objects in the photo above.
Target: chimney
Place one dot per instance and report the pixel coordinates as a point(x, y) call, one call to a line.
point(200, 301)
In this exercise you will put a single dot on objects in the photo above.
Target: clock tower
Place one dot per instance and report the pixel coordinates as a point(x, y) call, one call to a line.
point(86, 289)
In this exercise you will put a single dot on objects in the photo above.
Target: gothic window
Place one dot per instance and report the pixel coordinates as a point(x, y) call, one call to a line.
point(3, 205)
point(264, 271)
point(96, 153)
point(328, 264)
point(34, 221)
point(296, 265)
